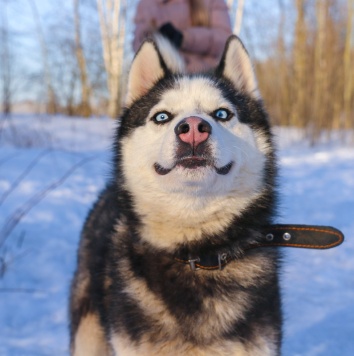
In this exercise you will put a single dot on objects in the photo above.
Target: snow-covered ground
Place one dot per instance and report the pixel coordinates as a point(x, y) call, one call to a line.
point(51, 169)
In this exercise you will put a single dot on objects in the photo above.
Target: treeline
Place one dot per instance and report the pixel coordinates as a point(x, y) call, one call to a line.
point(66, 56)
point(72, 57)
point(308, 80)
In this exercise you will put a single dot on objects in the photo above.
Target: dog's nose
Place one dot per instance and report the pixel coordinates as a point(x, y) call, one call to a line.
point(193, 130)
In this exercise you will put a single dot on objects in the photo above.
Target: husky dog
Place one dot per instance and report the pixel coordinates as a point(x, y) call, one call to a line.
point(164, 264)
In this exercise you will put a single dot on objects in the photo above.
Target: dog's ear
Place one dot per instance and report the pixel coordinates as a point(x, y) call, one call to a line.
point(155, 59)
point(235, 65)
point(147, 69)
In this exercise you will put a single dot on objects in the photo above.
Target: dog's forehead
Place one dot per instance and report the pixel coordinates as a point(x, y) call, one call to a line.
point(195, 93)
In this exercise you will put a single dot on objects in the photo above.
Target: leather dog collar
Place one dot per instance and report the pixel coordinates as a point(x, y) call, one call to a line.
point(279, 235)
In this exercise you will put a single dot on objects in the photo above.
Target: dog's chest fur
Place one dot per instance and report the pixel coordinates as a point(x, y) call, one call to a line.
point(169, 307)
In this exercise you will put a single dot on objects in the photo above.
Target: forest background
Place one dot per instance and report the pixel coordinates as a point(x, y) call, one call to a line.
point(63, 66)
point(72, 57)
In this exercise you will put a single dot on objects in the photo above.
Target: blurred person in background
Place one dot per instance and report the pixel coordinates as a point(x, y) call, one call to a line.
point(198, 28)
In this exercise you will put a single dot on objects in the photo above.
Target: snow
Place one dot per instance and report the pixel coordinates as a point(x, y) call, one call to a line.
point(51, 170)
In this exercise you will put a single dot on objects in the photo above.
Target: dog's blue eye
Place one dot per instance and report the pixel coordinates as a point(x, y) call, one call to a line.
point(221, 114)
point(162, 117)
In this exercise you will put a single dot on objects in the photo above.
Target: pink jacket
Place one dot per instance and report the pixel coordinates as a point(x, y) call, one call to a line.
point(201, 46)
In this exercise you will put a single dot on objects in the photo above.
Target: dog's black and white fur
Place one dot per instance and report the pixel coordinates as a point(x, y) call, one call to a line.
point(194, 175)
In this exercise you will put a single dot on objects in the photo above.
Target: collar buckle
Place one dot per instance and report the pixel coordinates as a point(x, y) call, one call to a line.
point(222, 260)
point(192, 262)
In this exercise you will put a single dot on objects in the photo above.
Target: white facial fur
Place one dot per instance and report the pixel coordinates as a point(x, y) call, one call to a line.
point(185, 203)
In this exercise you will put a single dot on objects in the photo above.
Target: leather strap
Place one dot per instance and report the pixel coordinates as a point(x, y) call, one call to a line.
point(304, 236)
point(280, 235)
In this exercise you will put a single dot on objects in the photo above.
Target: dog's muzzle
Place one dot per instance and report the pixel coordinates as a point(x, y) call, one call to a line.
point(193, 149)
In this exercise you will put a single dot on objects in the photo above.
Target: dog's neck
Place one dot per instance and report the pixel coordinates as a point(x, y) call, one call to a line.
point(214, 250)
point(179, 222)
point(300, 236)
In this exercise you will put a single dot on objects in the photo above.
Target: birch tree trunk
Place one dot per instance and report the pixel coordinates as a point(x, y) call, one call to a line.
point(299, 114)
point(85, 107)
point(320, 68)
point(281, 80)
point(231, 6)
point(348, 96)
point(239, 16)
point(5, 62)
point(51, 100)
point(112, 14)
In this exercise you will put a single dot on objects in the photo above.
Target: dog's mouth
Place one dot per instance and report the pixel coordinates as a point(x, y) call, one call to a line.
point(193, 163)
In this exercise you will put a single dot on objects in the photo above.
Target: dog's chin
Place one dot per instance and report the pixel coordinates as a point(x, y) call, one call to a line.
point(193, 164)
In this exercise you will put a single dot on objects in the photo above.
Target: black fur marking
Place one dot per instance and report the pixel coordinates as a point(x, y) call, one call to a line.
point(224, 169)
point(161, 170)
point(137, 114)
point(265, 311)
point(126, 315)
point(192, 162)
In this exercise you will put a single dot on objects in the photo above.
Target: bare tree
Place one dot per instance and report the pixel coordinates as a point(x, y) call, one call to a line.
point(348, 97)
point(308, 80)
point(239, 16)
point(283, 97)
point(5, 62)
point(85, 107)
point(51, 99)
point(230, 4)
point(112, 15)
point(300, 59)
point(325, 104)
point(236, 14)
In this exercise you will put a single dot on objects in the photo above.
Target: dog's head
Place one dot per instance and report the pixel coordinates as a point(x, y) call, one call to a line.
point(194, 148)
